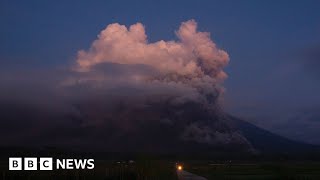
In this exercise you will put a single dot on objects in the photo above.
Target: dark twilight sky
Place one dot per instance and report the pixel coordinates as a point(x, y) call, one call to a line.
point(274, 47)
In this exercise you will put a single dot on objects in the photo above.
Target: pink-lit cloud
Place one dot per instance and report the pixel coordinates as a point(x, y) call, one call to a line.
point(193, 55)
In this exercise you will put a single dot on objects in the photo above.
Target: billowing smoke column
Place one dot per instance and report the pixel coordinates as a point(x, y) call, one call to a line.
point(195, 55)
point(177, 83)
point(126, 93)
point(192, 63)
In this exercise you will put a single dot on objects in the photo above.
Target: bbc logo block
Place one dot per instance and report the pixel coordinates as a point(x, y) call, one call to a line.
point(30, 163)
point(15, 164)
point(46, 164)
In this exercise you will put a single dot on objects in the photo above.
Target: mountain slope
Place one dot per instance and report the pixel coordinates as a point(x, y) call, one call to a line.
point(265, 141)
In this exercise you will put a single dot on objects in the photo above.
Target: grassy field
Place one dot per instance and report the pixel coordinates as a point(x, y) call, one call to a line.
point(271, 170)
point(166, 170)
point(104, 170)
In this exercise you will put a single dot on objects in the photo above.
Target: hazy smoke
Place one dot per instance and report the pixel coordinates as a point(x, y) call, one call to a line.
point(193, 64)
point(123, 86)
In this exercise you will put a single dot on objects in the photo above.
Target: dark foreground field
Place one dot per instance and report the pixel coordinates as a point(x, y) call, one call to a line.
point(104, 170)
point(265, 170)
point(166, 170)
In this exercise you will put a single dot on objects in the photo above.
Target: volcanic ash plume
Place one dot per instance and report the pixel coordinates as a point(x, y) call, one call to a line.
point(125, 94)
point(195, 55)
point(193, 63)
point(141, 86)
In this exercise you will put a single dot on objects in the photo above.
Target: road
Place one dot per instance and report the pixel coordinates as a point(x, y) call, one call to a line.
point(184, 175)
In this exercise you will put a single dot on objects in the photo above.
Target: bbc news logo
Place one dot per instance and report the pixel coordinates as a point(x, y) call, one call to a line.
point(48, 164)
